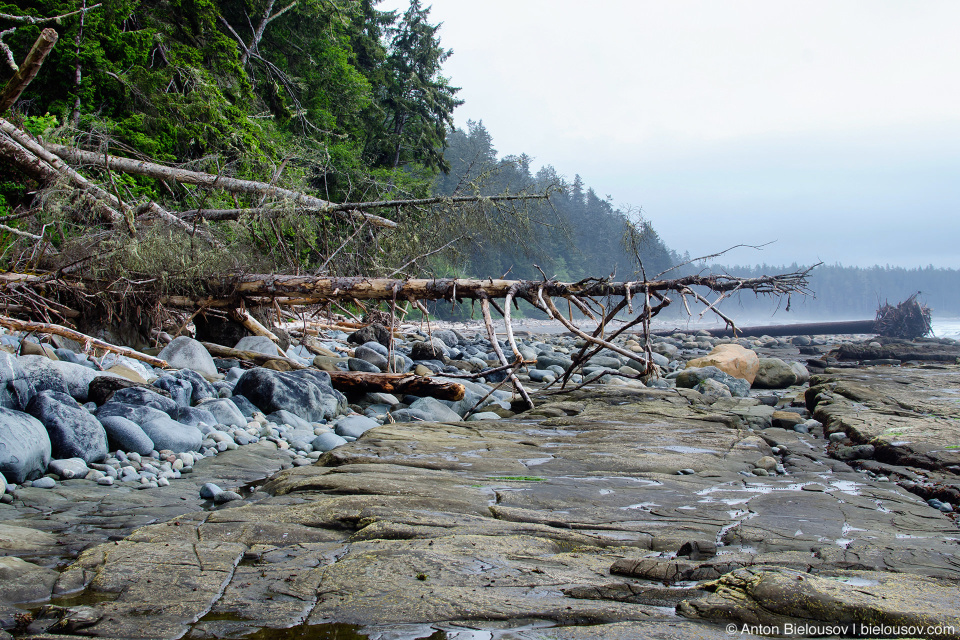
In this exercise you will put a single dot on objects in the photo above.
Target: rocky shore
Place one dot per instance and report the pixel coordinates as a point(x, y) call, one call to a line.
point(212, 501)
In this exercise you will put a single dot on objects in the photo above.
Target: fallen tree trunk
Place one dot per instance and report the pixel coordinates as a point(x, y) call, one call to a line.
point(221, 351)
point(396, 383)
point(20, 151)
point(806, 329)
point(233, 185)
point(87, 341)
point(314, 289)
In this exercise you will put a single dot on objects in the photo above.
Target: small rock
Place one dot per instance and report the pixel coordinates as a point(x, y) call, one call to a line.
point(45, 482)
point(209, 491)
point(226, 496)
point(327, 441)
point(105, 481)
point(767, 463)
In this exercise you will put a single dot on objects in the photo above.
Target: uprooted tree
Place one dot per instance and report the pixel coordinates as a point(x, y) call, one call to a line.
point(102, 248)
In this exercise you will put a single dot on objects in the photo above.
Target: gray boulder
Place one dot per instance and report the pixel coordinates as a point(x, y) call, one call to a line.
point(16, 388)
point(66, 355)
point(542, 375)
point(285, 417)
point(201, 389)
point(141, 396)
point(354, 426)
point(179, 389)
point(558, 359)
point(356, 364)
point(126, 435)
point(713, 390)
point(25, 448)
point(447, 337)
point(327, 441)
point(435, 410)
point(666, 349)
point(608, 362)
point(306, 393)
point(102, 388)
point(135, 413)
point(68, 468)
point(376, 346)
point(259, 344)
point(246, 407)
point(167, 433)
point(690, 378)
point(194, 416)
point(226, 411)
point(74, 432)
point(375, 358)
point(187, 353)
point(483, 415)
point(371, 333)
point(802, 374)
point(428, 350)
point(774, 373)
point(43, 374)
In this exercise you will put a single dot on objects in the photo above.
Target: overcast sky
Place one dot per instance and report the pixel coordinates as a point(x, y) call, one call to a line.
point(831, 129)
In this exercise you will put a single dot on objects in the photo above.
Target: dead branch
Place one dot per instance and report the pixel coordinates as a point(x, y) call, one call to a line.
point(488, 321)
point(28, 70)
point(87, 341)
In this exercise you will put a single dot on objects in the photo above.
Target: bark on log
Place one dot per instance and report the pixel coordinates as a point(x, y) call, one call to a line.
point(28, 70)
point(252, 325)
point(42, 327)
point(396, 383)
point(234, 185)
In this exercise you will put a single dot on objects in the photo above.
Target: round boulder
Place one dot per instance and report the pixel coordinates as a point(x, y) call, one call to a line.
point(187, 353)
point(731, 359)
point(25, 448)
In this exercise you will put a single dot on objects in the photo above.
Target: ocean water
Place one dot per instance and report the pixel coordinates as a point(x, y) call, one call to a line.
point(946, 328)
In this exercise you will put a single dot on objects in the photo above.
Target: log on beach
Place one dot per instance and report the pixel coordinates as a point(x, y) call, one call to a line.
point(845, 327)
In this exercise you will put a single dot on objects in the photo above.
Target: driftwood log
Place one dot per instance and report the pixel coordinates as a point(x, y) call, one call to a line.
point(87, 341)
point(317, 289)
point(396, 383)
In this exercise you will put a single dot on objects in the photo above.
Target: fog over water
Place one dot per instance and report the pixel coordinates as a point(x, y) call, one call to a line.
point(831, 129)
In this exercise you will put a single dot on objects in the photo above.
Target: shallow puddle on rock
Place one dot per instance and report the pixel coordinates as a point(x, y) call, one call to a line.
point(848, 487)
point(855, 582)
point(683, 449)
point(532, 462)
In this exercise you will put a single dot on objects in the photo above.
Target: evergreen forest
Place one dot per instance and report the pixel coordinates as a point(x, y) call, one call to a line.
point(339, 99)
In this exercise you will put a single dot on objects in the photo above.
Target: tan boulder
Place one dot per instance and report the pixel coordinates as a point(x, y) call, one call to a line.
point(730, 358)
point(126, 372)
